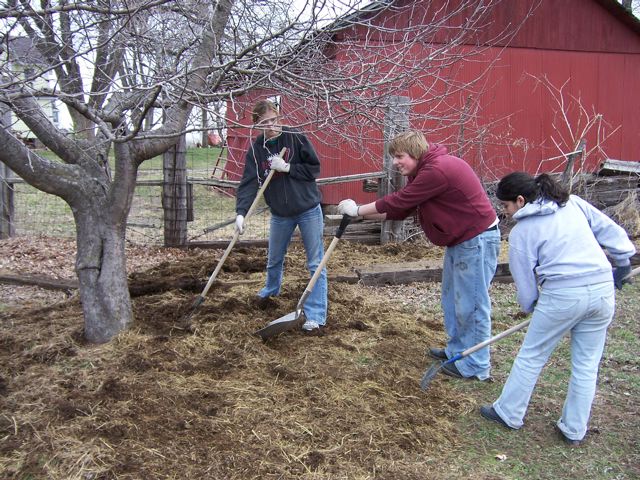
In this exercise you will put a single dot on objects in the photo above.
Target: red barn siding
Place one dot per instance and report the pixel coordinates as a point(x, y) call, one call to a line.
point(589, 48)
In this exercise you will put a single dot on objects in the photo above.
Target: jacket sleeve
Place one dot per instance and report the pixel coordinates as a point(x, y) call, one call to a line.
point(306, 166)
point(611, 236)
point(399, 205)
point(522, 268)
point(248, 187)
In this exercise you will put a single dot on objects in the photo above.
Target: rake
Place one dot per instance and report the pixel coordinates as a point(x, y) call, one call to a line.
point(433, 370)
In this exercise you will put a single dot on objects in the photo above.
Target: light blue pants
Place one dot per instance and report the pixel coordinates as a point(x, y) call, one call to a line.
point(585, 313)
point(468, 270)
point(311, 226)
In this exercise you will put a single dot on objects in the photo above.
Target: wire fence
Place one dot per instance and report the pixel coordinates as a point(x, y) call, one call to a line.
point(38, 213)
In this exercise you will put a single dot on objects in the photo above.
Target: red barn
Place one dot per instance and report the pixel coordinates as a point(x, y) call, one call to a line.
point(571, 70)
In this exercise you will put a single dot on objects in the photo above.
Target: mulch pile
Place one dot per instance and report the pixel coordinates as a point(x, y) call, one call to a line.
point(217, 402)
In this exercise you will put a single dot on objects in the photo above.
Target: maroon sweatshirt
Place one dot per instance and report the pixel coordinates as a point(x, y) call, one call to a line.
point(451, 204)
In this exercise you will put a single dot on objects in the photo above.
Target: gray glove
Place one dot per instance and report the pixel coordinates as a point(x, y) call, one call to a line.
point(618, 276)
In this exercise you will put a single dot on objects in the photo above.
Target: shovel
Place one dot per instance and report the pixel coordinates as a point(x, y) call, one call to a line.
point(435, 368)
point(295, 319)
point(198, 301)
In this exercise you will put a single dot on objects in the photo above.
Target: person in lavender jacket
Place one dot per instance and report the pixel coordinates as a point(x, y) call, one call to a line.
point(563, 276)
point(455, 212)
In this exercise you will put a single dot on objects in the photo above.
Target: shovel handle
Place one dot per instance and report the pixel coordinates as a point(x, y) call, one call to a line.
point(346, 219)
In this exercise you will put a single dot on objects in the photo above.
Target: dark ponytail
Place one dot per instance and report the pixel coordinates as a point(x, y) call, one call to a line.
point(522, 183)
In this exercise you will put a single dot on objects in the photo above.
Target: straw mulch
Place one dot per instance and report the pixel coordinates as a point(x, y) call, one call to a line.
point(158, 402)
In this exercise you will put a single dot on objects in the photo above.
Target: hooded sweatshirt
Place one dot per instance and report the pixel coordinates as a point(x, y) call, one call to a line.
point(558, 247)
point(451, 204)
point(287, 194)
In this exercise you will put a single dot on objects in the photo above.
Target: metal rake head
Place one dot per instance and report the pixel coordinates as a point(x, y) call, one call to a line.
point(431, 372)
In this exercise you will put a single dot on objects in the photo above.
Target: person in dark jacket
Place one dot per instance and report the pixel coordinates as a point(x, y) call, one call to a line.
point(455, 212)
point(293, 198)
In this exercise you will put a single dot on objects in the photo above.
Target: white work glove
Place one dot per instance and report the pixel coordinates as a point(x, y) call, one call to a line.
point(278, 164)
point(240, 224)
point(348, 207)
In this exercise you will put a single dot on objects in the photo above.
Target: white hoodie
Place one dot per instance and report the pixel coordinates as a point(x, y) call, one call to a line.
point(561, 247)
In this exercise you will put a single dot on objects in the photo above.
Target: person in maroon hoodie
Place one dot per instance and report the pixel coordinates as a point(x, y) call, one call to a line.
point(454, 212)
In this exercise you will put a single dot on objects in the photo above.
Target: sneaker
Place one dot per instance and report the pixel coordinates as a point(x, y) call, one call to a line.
point(437, 353)
point(488, 412)
point(567, 440)
point(310, 326)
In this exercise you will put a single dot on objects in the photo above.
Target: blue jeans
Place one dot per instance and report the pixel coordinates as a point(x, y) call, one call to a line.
point(311, 227)
point(468, 270)
point(585, 313)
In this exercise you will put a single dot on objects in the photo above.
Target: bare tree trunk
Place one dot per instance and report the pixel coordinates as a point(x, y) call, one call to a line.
point(101, 270)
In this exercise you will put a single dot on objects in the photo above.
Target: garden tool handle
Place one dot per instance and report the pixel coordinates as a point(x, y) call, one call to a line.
point(632, 273)
point(346, 219)
point(263, 187)
point(236, 234)
point(499, 336)
point(511, 330)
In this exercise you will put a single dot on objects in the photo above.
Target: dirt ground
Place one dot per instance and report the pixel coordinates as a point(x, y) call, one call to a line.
point(217, 402)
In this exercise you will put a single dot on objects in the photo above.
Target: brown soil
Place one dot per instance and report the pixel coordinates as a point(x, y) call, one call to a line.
point(216, 402)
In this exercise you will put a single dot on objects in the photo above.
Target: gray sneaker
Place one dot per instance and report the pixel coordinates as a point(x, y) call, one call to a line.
point(310, 326)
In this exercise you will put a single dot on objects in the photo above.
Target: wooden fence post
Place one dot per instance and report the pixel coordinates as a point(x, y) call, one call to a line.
point(7, 228)
point(567, 175)
point(396, 121)
point(174, 194)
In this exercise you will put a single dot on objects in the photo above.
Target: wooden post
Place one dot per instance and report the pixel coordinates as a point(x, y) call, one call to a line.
point(204, 139)
point(7, 213)
point(396, 121)
point(567, 175)
point(174, 195)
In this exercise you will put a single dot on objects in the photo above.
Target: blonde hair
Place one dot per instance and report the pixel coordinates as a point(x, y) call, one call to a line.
point(261, 108)
point(411, 142)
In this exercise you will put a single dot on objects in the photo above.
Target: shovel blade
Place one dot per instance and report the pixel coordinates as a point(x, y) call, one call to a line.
point(290, 321)
point(431, 372)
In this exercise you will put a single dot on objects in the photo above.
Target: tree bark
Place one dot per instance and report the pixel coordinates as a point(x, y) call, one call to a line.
point(102, 278)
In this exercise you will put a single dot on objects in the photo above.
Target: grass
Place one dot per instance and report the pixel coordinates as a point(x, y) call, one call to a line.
point(200, 159)
point(488, 451)
point(39, 213)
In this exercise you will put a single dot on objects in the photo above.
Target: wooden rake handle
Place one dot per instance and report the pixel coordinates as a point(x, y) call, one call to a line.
point(514, 329)
point(236, 234)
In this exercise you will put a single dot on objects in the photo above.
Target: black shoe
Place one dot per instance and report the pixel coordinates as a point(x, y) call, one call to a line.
point(488, 412)
point(567, 440)
point(451, 370)
point(438, 353)
point(264, 303)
